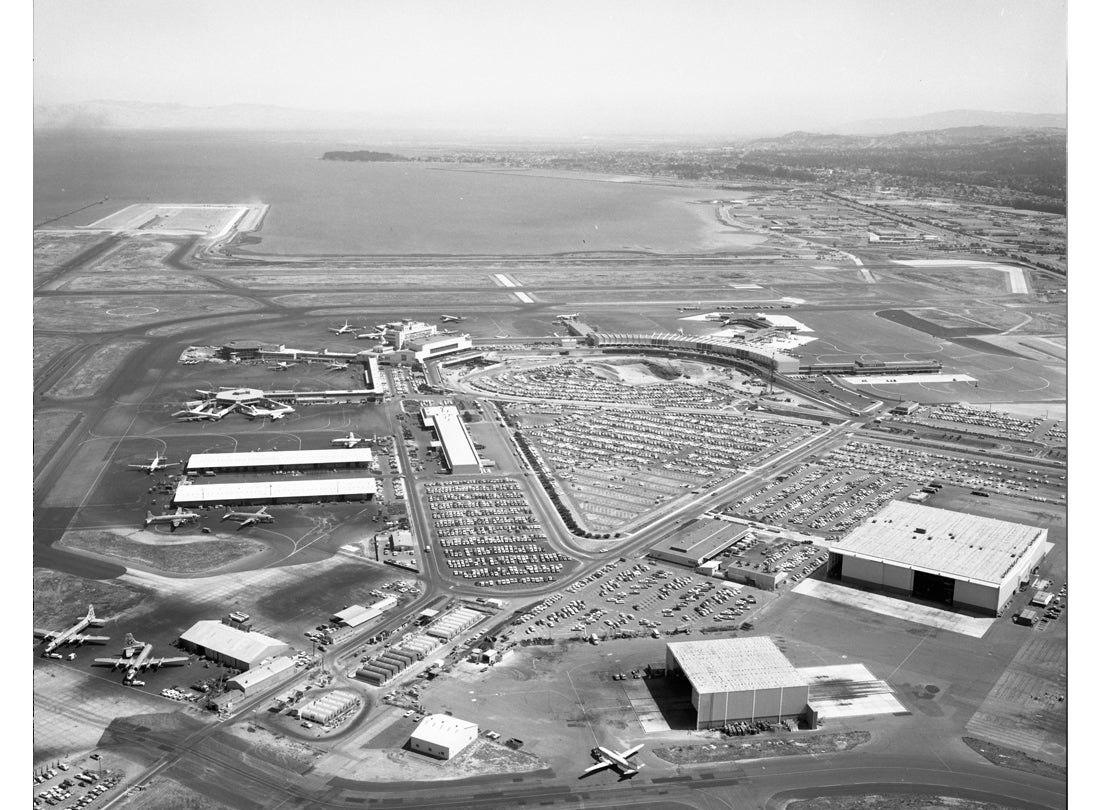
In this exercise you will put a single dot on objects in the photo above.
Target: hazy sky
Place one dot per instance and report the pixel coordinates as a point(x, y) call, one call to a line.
point(550, 66)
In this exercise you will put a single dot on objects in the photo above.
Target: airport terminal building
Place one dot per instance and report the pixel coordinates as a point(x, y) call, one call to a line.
point(272, 492)
point(271, 461)
point(739, 679)
point(964, 561)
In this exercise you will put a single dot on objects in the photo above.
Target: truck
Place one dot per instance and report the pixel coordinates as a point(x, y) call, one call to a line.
point(1027, 617)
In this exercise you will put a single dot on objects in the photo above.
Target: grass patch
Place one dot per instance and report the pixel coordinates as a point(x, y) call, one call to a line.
point(762, 747)
point(59, 598)
point(1011, 758)
point(187, 557)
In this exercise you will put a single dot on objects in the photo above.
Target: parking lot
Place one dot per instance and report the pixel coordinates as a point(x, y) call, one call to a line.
point(486, 532)
point(637, 600)
point(617, 464)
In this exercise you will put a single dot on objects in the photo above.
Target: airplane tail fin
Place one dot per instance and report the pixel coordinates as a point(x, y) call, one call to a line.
point(91, 613)
point(148, 517)
point(130, 641)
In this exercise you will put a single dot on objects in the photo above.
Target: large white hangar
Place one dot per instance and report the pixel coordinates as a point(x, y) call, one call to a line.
point(960, 560)
point(270, 460)
point(268, 492)
point(736, 679)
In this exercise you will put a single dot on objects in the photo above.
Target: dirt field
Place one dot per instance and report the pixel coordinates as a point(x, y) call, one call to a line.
point(59, 597)
point(49, 426)
point(47, 347)
point(106, 314)
point(163, 793)
point(133, 281)
point(96, 371)
point(481, 757)
point(191, 555)
point(375, 301)
point(891, 802)
point(333, 277)
point(1011, 758)
point(765, 746)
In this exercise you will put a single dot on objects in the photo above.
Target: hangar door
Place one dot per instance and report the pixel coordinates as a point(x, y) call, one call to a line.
point(933, 587)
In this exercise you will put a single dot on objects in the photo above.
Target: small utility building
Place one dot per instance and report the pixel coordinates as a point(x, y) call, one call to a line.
point(938, 555)
point(442, 736)
point(736, 679)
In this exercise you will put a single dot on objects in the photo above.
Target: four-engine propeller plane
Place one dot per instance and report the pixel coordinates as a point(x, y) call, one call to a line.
point(342, 330)
point(249, 518)
point(282, 365)
point(140, 662)
point(335, 366)
point(177, 518)
point(159, 462)
point(349, 441)
point(73, 635)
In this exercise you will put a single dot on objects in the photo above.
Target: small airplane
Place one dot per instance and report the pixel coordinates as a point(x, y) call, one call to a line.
point(452, 318)
point(341, 330)
point(348, 441)
point(177, 518)
point(140, 662)
point(334, 366)
point(58, 638)
point(249, 518)
point(377, 334)
point(158, 462)
point(282, 365)
point(615, 759)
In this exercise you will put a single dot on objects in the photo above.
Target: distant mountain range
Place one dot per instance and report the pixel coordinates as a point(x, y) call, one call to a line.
point(147, 116)
point(952, 119)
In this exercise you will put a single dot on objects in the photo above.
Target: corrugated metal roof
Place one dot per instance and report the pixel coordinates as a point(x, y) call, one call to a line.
point(220, 493)
point(735, 665)
point(954, 544)
point(280, 458)
point(232, 643)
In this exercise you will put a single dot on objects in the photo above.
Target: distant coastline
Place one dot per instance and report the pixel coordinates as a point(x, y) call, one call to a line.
point(365, 156)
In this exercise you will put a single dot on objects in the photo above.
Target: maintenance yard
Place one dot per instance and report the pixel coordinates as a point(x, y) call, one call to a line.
point(486, 532)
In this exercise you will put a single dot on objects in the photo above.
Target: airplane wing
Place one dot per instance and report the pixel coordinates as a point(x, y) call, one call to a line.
point(603, 763)
point(632, 751)
point(111, 662)
point(156, 663)
point(46, 635)
point(248, 522)
point(138, 466)
point(90, 639)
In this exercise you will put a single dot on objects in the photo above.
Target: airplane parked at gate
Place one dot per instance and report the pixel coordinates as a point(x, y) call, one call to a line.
point(73, 635)
point(341, 330)
point(334, 366)
point(282, 365)
point(377, 334)
point(249, 518)
point(251, 411)
point(615, 759)
point(159, 462)
point(349, 441)
point(140, 662)
point(177, 518)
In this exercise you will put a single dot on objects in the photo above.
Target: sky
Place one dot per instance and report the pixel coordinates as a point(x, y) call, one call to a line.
point(562, 66)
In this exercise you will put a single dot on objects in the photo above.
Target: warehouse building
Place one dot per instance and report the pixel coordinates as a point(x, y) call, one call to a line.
point(269, 492)
point(442, 736)
point(271, 461)
point(738, 679)
point(960, 560)
point(356, 615)
point(331, 708)
point(459, 453)
point(263, 677)
point(453, 622)
point(239, 649)
point(698, 542)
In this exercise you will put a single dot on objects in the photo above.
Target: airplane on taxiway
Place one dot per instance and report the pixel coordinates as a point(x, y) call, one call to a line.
point(341, 330)
point(249, 518)
point(619, 760)
point(159, 462)
point(452, 318)
point(349, 441)
point(140, 662)
point(177, 518)
point(73, 635)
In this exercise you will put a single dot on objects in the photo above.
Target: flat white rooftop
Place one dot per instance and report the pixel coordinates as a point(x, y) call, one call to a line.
point(279, 458)
point(961, 546)
point(735, 665)
point(460, 451)
point(258, 490)
point(444, 730)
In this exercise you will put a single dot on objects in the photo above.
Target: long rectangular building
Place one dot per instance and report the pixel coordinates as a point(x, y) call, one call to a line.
point(267, 461)
point(458, 448)
point(698, 542)
point(938, 555)
point(269, 492)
